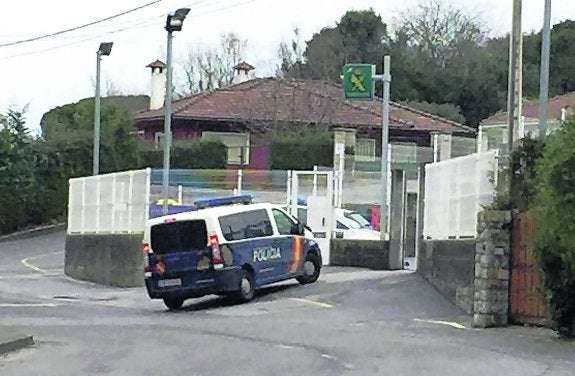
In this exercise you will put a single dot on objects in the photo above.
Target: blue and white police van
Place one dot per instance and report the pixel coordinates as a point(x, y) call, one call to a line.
point(226, 246)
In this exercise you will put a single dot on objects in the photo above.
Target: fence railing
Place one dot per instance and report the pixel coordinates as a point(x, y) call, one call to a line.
point(111, 203)
point(455, 191)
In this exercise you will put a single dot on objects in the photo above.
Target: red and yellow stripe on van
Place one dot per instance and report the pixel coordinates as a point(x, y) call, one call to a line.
point(297, 253)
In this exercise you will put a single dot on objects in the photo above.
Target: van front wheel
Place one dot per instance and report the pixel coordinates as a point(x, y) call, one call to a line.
point(311, 270)
point(173, 303)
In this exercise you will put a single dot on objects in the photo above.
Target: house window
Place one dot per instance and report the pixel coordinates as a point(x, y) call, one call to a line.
point(365, 149)
point(238, 145)
point(141, 135)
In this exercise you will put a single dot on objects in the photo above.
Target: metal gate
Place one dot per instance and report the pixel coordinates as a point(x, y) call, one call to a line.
point(527, 304)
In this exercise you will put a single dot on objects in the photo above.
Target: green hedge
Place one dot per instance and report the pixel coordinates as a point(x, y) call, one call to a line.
point(193, 154)
point(555, 214)
point(301, 151)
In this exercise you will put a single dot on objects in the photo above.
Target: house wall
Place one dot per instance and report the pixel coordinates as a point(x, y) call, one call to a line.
point(259, 149)
point(260, 158)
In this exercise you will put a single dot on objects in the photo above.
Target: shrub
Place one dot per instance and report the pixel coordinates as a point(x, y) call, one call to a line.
point(555, 238)
point(192, 154)
point(520, 169)
point(301, 151)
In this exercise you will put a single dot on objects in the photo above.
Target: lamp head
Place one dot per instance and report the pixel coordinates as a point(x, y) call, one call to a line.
point(105, 48)
point(174, 22)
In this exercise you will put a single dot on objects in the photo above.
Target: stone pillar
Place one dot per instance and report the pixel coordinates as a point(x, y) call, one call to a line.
point(350, 136)
point(338, 139)
point(347, 137)
point(493, 249)
point(445, 141)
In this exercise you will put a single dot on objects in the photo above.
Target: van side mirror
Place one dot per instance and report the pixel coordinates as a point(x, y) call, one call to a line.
point(298, 229)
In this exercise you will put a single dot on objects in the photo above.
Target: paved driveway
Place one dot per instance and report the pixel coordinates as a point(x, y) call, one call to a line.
point(351, 322)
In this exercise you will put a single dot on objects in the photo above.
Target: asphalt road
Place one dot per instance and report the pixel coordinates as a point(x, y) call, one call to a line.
point(351, 322)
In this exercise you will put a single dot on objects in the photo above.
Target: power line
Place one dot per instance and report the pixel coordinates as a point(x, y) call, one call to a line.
point(79, 27)
point(141, 23)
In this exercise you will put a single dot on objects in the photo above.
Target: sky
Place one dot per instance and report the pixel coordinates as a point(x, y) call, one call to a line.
point(55, 71)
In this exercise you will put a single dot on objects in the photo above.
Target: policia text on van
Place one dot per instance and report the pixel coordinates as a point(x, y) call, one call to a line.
point(226, 249)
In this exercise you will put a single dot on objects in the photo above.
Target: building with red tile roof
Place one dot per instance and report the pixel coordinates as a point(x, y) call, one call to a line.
point(257, 107)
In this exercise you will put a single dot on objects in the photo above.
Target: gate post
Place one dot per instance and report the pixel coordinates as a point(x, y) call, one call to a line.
point(397, 219)
point(493, 249)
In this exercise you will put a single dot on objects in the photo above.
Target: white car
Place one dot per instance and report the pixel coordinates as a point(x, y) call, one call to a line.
point(349, 224)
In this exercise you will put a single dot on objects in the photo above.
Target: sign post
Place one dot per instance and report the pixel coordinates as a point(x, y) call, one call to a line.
point(359, 84)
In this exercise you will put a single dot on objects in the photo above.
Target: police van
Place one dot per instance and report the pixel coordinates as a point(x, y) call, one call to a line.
point(226, 246)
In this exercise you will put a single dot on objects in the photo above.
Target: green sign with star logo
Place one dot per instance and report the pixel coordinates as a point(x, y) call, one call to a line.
point(358, 81)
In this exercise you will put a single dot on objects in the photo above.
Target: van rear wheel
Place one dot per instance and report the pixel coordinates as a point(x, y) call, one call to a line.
point(247, 287)
point(311, 270)
point(173, 303)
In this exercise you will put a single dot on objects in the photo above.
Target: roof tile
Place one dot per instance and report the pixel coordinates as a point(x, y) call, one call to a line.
point(266, 99)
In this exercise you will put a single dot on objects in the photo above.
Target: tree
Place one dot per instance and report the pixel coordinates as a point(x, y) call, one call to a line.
point(213, 68)
point(562, 52)
point(448, 61)
point(75, 121)
point(16, 171)
point(359, 36)
point(291, 57)
point(441, 32)
point(445, 110)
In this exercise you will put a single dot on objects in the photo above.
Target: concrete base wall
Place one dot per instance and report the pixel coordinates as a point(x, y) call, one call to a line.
point(113, 260)
point(449, 265)
point(360, 253)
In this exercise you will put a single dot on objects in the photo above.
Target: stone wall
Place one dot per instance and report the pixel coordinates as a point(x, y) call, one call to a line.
point(449, 266)
point(473, 274)
point(113, 260)
point(372, 254)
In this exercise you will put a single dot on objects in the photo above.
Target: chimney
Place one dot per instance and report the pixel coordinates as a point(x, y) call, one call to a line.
point(241, 73)
point(157, 95)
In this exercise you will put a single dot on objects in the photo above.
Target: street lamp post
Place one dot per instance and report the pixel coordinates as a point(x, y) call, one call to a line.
point(104, 50)
point(174, 22)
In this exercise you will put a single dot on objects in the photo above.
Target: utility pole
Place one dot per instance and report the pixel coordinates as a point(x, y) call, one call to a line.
point(544, 77)
point(515, 84)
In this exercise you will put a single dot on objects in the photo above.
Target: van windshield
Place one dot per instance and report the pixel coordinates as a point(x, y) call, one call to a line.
point(184, 236)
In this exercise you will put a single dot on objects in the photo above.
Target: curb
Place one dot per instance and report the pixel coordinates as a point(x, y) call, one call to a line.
point(43, 230)
point(15, 344)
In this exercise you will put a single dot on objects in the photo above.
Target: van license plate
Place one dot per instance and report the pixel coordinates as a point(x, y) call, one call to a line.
point(169, 282)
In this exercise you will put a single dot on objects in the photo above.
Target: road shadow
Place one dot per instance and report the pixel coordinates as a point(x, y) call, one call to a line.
point(213, 301)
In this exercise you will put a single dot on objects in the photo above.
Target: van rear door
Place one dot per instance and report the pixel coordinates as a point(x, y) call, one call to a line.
point(179, 252)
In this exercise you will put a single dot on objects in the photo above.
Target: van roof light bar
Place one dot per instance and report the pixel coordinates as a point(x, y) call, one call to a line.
point(224, 201)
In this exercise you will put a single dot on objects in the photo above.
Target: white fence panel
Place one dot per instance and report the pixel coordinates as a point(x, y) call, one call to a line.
point(108, 204)
point(455, 190)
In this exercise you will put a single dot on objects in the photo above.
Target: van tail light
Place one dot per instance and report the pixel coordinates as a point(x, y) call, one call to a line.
point(146, 250)
point(216, 253)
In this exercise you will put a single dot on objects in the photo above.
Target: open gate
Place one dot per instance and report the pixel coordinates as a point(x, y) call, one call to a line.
point(527, 304)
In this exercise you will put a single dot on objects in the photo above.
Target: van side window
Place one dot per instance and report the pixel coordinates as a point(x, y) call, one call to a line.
point(341, 226)
point(283, 222)
point(246, 225)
